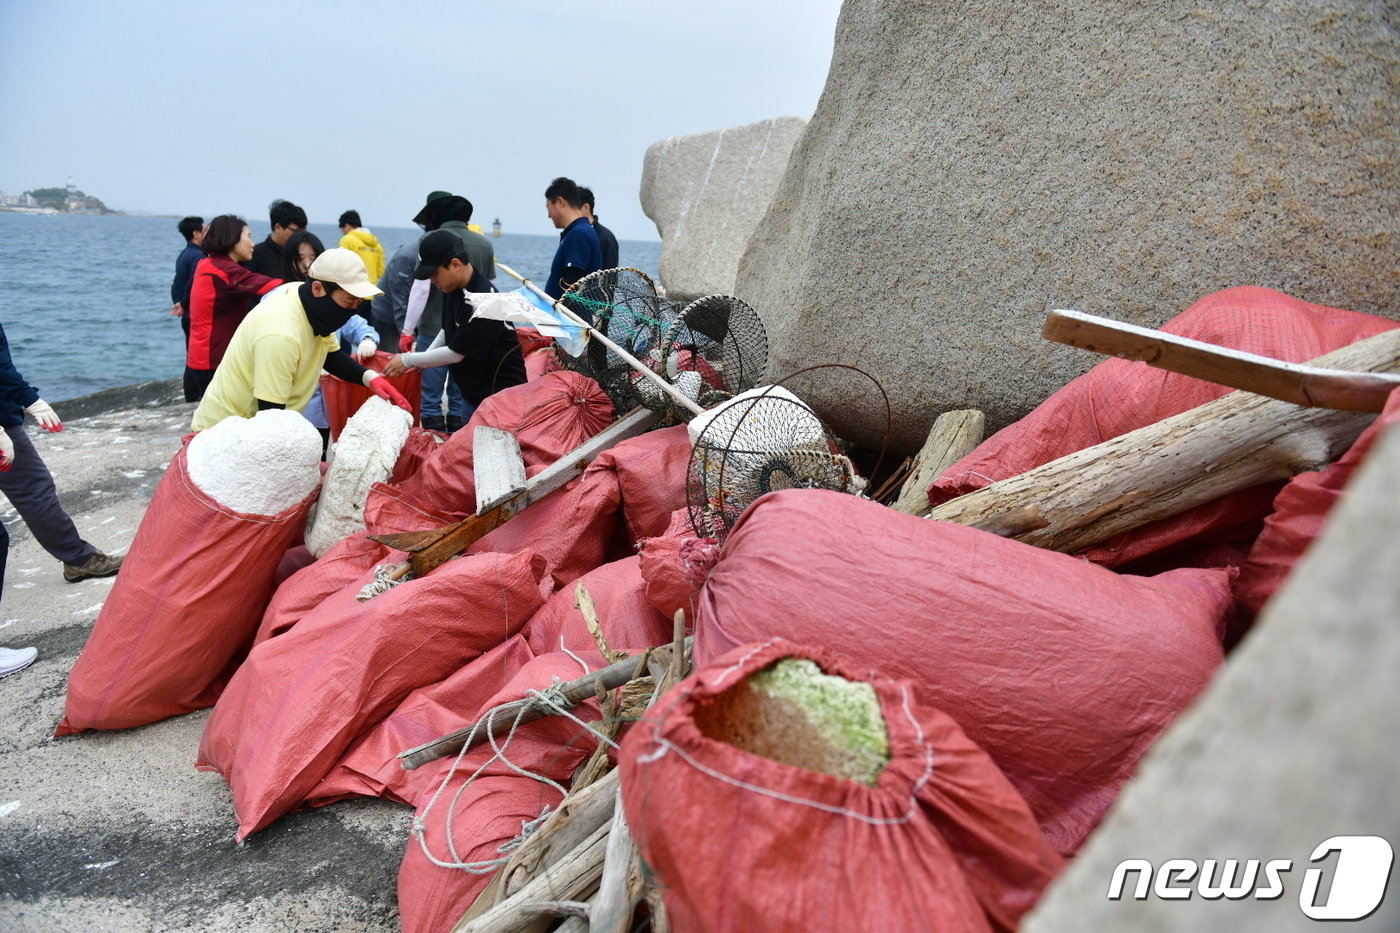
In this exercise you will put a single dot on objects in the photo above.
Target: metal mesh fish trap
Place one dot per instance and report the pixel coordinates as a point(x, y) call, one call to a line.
point(710, 349)
point(757, 445)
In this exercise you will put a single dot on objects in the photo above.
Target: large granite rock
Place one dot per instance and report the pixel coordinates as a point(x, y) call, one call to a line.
point(972, 165)
point(706, 192)
point(1292, 744)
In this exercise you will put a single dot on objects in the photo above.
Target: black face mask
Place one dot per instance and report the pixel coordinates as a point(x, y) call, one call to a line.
point(325, 315)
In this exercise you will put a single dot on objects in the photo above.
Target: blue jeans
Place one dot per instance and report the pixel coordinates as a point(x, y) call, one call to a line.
point(434, 380)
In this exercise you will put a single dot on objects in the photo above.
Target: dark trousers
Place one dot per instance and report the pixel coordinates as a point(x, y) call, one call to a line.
point(29, 486)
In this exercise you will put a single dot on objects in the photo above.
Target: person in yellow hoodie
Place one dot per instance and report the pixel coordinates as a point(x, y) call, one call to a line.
point(364, 243)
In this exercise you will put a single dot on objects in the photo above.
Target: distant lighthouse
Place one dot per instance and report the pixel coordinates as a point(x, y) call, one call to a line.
point(496, 228)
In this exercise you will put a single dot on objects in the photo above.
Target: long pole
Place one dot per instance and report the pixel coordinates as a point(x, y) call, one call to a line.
point(598, 335)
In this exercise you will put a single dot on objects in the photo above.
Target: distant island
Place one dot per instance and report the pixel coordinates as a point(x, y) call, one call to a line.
point(66, 200)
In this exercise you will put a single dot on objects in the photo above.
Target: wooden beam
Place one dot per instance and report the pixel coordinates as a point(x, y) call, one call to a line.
point(1232, 443)
point(429, 549)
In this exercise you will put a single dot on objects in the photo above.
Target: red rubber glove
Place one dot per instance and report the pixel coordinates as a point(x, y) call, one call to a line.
point(405, 343)
point(382, 388)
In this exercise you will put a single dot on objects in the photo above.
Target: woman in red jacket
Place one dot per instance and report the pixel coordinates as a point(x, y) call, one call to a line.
point(220, 298)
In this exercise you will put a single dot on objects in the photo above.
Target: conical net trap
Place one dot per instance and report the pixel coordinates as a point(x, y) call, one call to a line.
point(762, 442)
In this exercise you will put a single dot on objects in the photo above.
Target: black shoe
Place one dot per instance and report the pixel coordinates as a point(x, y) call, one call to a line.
point(435, 424)
point(454, 425)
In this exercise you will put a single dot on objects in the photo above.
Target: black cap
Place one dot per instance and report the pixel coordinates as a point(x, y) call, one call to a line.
point(436, 250)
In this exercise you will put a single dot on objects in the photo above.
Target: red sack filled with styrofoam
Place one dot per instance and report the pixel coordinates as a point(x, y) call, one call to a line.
point(184, 608)
point(739, 841)
point(651, 472)
point(1064, 671)
point(1299, 515)
point(301, 698)
point(1118, 396)
point(303, 591)
point(549, 417)
point(627, 619)
point(553, 746)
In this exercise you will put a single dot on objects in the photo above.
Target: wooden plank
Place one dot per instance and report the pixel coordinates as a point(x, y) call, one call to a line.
point(952, 437)
point(1301, 384)
point(497, 466)
point(429, 549)
point(1163, 469)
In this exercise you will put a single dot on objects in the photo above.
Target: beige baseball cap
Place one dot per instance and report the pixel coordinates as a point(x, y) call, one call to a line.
point(345, 268)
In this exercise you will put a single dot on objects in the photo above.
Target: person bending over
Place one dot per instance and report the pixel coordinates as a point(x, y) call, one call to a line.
point(484, 355)
point(276, 357)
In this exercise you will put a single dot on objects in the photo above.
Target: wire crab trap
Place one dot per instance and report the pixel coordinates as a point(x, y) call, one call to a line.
point(709, 350)
point(760, 442)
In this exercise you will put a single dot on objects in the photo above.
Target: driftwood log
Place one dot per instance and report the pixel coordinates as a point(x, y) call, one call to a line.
point(571, 878)
point(953, 436)
point(499, 721)
point(1163, 469)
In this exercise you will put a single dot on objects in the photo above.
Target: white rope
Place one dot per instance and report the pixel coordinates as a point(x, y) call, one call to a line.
point(381, 582)
point(551, 697)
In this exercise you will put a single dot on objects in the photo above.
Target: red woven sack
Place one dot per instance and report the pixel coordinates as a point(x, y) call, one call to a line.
point(740, 842)
point(487, 815)
point(1063, 671)
point(346, 561)
point(627, 619)
point(417, 450)
point(300, 699)
point(182, 611)
point(574, 529)
point(490, 812)
point(549, 417)
point(671, 582)
point(651, 478)
point(1118, 396)
point(553, 746)
point(370, 768)
point(1300, 513)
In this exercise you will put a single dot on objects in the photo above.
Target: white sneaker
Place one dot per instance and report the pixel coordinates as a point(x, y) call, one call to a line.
point(16, 659)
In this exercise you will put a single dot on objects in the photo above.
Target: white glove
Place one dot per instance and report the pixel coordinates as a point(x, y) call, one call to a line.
point(366, 349)
point(45, 416)
point(7, 450)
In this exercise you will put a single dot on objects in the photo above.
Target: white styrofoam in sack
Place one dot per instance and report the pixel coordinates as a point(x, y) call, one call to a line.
point(259, 466)
point(368, 448)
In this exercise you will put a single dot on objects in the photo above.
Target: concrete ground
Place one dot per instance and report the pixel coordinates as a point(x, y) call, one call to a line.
point(117, 831)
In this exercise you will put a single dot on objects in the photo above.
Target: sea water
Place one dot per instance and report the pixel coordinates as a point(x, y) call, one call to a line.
point(85, 299)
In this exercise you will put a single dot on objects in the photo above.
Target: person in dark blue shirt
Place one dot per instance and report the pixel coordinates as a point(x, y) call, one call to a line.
point(192, 229)
point(579, 252)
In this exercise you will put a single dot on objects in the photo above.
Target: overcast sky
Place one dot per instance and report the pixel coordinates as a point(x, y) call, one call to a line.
point(188, 107)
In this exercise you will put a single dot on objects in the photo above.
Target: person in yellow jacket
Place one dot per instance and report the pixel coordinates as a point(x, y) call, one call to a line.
point(366, 246)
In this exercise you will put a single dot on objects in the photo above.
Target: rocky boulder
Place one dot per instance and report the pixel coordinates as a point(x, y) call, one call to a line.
point(706, 192)
point(971, 166)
